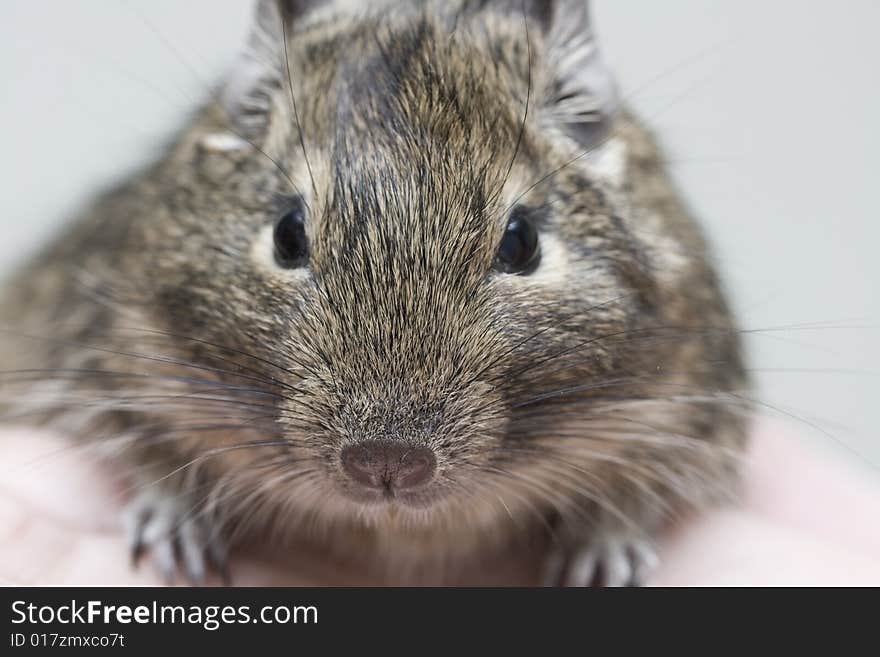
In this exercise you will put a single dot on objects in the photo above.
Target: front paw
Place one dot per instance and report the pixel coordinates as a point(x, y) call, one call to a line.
point(613, 559)
point(178, 537)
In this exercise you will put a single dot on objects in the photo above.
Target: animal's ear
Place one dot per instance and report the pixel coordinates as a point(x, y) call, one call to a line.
point(260, 70)
point(580, 95)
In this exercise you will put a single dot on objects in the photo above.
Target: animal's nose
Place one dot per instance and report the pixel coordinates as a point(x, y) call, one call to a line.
point(388, 464)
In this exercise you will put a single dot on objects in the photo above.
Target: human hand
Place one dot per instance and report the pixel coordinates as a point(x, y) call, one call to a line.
point(805, 519)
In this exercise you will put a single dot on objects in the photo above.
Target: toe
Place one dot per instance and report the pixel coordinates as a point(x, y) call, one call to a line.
point(644, 560)
point(554, 568)
point(616, 565)
point(176, 539)
point(583, 568)
point(610, 562)
point(164, 559)
point(192, 552)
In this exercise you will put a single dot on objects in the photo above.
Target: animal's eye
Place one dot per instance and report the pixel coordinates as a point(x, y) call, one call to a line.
point(291, 244)
point(519, 252)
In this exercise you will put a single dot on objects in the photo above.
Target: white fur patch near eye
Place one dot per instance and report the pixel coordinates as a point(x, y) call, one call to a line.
point(263, 255)
point(554, 267)
point(608, 161)
point(222, 142)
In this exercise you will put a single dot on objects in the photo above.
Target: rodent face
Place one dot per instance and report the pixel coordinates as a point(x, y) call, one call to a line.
point(416, 376)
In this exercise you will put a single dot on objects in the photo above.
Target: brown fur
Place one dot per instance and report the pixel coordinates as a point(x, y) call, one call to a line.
point(596, 394)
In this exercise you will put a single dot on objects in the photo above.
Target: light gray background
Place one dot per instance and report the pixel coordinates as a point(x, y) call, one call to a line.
point(770, 111)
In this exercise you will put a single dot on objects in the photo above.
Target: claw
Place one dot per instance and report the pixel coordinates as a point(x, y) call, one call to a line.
point(163, 525)
point(218, 558)
point(134, 520)
point(136, 552)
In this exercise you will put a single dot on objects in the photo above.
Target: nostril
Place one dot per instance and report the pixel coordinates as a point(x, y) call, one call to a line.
point(388, 465)
point(416, 468)
point(359, 463)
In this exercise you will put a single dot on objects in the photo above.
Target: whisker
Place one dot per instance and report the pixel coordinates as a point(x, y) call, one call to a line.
point(214, 345)
point(283, 18)
point(213, 94)
point(75, 373)
point(135, 355)
point(522, 126)
point(207, 455)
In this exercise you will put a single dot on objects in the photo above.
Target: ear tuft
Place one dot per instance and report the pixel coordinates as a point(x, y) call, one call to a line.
point(583, 98)
point(260, 69)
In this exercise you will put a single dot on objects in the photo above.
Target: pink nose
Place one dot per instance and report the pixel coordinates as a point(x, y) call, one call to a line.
point(388, 464)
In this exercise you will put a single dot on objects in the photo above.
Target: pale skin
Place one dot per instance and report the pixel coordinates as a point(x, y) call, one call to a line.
point(807, 517)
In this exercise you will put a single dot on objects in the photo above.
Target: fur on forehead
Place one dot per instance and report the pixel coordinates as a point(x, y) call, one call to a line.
point(578, 96)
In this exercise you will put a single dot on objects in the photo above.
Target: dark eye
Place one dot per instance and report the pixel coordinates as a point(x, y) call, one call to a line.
point(291, 245)
point(519, 252)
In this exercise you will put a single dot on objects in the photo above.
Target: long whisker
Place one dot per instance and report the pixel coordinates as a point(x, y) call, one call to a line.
point(628, 97)
point(75, 373)
point(522, 126)
point(214, 345)
point(302, 142)
point(129, 354)
point(214, 94)
point(208, 455)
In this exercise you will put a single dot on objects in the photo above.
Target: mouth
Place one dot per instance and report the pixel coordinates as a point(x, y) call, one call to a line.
point(391, 497)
